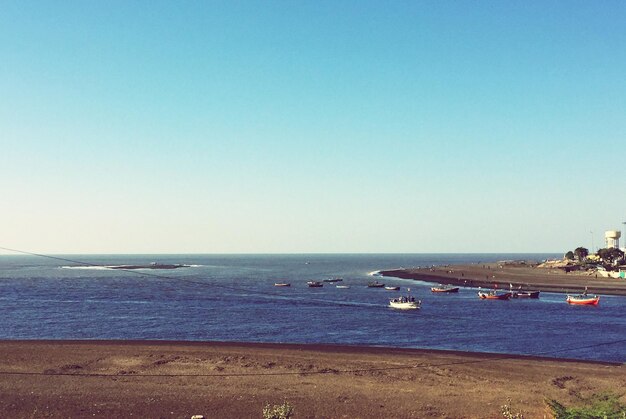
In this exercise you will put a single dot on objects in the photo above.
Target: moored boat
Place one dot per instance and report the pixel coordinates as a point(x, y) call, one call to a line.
point(375, 284)
point(331, 280)
point(494, 295)
point(342, 286)
point(282, 284)
point(583, 299)
point(444, 288)
point(525, 294)
point(392, 288)
point(315, 284)
point(520, 293)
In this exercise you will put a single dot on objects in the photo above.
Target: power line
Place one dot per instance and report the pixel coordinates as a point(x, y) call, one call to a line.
point(191, 281)
point(274, 295)
point(93, 265)
point(300, 300)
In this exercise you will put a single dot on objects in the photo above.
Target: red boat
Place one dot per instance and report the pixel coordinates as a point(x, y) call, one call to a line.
point(494, 295)
point(583, 299)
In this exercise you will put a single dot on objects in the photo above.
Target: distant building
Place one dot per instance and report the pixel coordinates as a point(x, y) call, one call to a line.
point(612, 238)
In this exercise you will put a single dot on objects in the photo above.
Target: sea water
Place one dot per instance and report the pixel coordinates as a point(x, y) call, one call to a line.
point(233, 298)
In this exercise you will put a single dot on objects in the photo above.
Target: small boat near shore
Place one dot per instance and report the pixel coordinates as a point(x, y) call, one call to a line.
point(494, 295)
point(407, 302)
point(375, 284)
point(525, 294)
point(392, 288)
point(403, 304)
point(282, 284)
point(315, 284)
point(583, 299)
point(444, 288)
point(520, 293)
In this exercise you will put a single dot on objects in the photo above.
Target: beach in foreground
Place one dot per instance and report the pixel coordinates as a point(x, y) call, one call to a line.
point(235, 380)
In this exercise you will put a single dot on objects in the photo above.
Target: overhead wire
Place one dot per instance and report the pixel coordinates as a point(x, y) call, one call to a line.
point(274, 295)
point(292, 298)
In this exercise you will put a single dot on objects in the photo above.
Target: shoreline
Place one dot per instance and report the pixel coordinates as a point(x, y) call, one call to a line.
point(327, 348)
point(529, 278)
point(230, 379)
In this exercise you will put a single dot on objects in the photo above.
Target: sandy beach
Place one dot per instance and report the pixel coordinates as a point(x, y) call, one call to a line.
point(81, 379)
point(530, 278)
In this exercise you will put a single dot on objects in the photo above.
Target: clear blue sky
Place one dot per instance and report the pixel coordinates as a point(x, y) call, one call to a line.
point(320, 126)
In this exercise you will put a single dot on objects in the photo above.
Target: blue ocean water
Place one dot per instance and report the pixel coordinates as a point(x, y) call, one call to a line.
point(232, 298)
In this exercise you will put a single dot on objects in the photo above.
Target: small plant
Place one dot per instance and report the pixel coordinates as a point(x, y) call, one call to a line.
point(278, 411)
point(507, 411)
point(598, 406)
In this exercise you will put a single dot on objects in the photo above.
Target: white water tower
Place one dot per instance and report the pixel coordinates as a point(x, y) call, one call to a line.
point(612, 238)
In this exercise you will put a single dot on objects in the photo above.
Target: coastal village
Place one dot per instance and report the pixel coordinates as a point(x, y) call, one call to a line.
point(608, 262)
point(578, 271)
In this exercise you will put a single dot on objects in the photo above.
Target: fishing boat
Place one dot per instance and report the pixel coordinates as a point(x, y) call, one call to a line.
point(392, 288)
point(375, 284)
point(494, 295)
point(315, 284)
point(282, 284)
point(583, 299)
point(525, 294)
point(331, 280)
point(519, 293)
point(342, 286)
point(444, 288)
point(405, 302)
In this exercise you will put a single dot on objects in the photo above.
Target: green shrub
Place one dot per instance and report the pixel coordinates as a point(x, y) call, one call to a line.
point(598, 406)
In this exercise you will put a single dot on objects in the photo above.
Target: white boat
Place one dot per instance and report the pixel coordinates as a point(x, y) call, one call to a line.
point(405, 303)
point(343, 286)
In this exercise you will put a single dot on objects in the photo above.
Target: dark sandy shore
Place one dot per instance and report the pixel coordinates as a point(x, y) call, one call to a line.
point(234, 380)
point(530, 278)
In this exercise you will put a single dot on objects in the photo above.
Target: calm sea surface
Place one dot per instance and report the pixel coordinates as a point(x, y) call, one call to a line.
point(232, 298)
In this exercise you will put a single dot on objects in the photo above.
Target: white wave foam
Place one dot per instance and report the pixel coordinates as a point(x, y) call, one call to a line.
point(97, 268)
point(374, 273)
